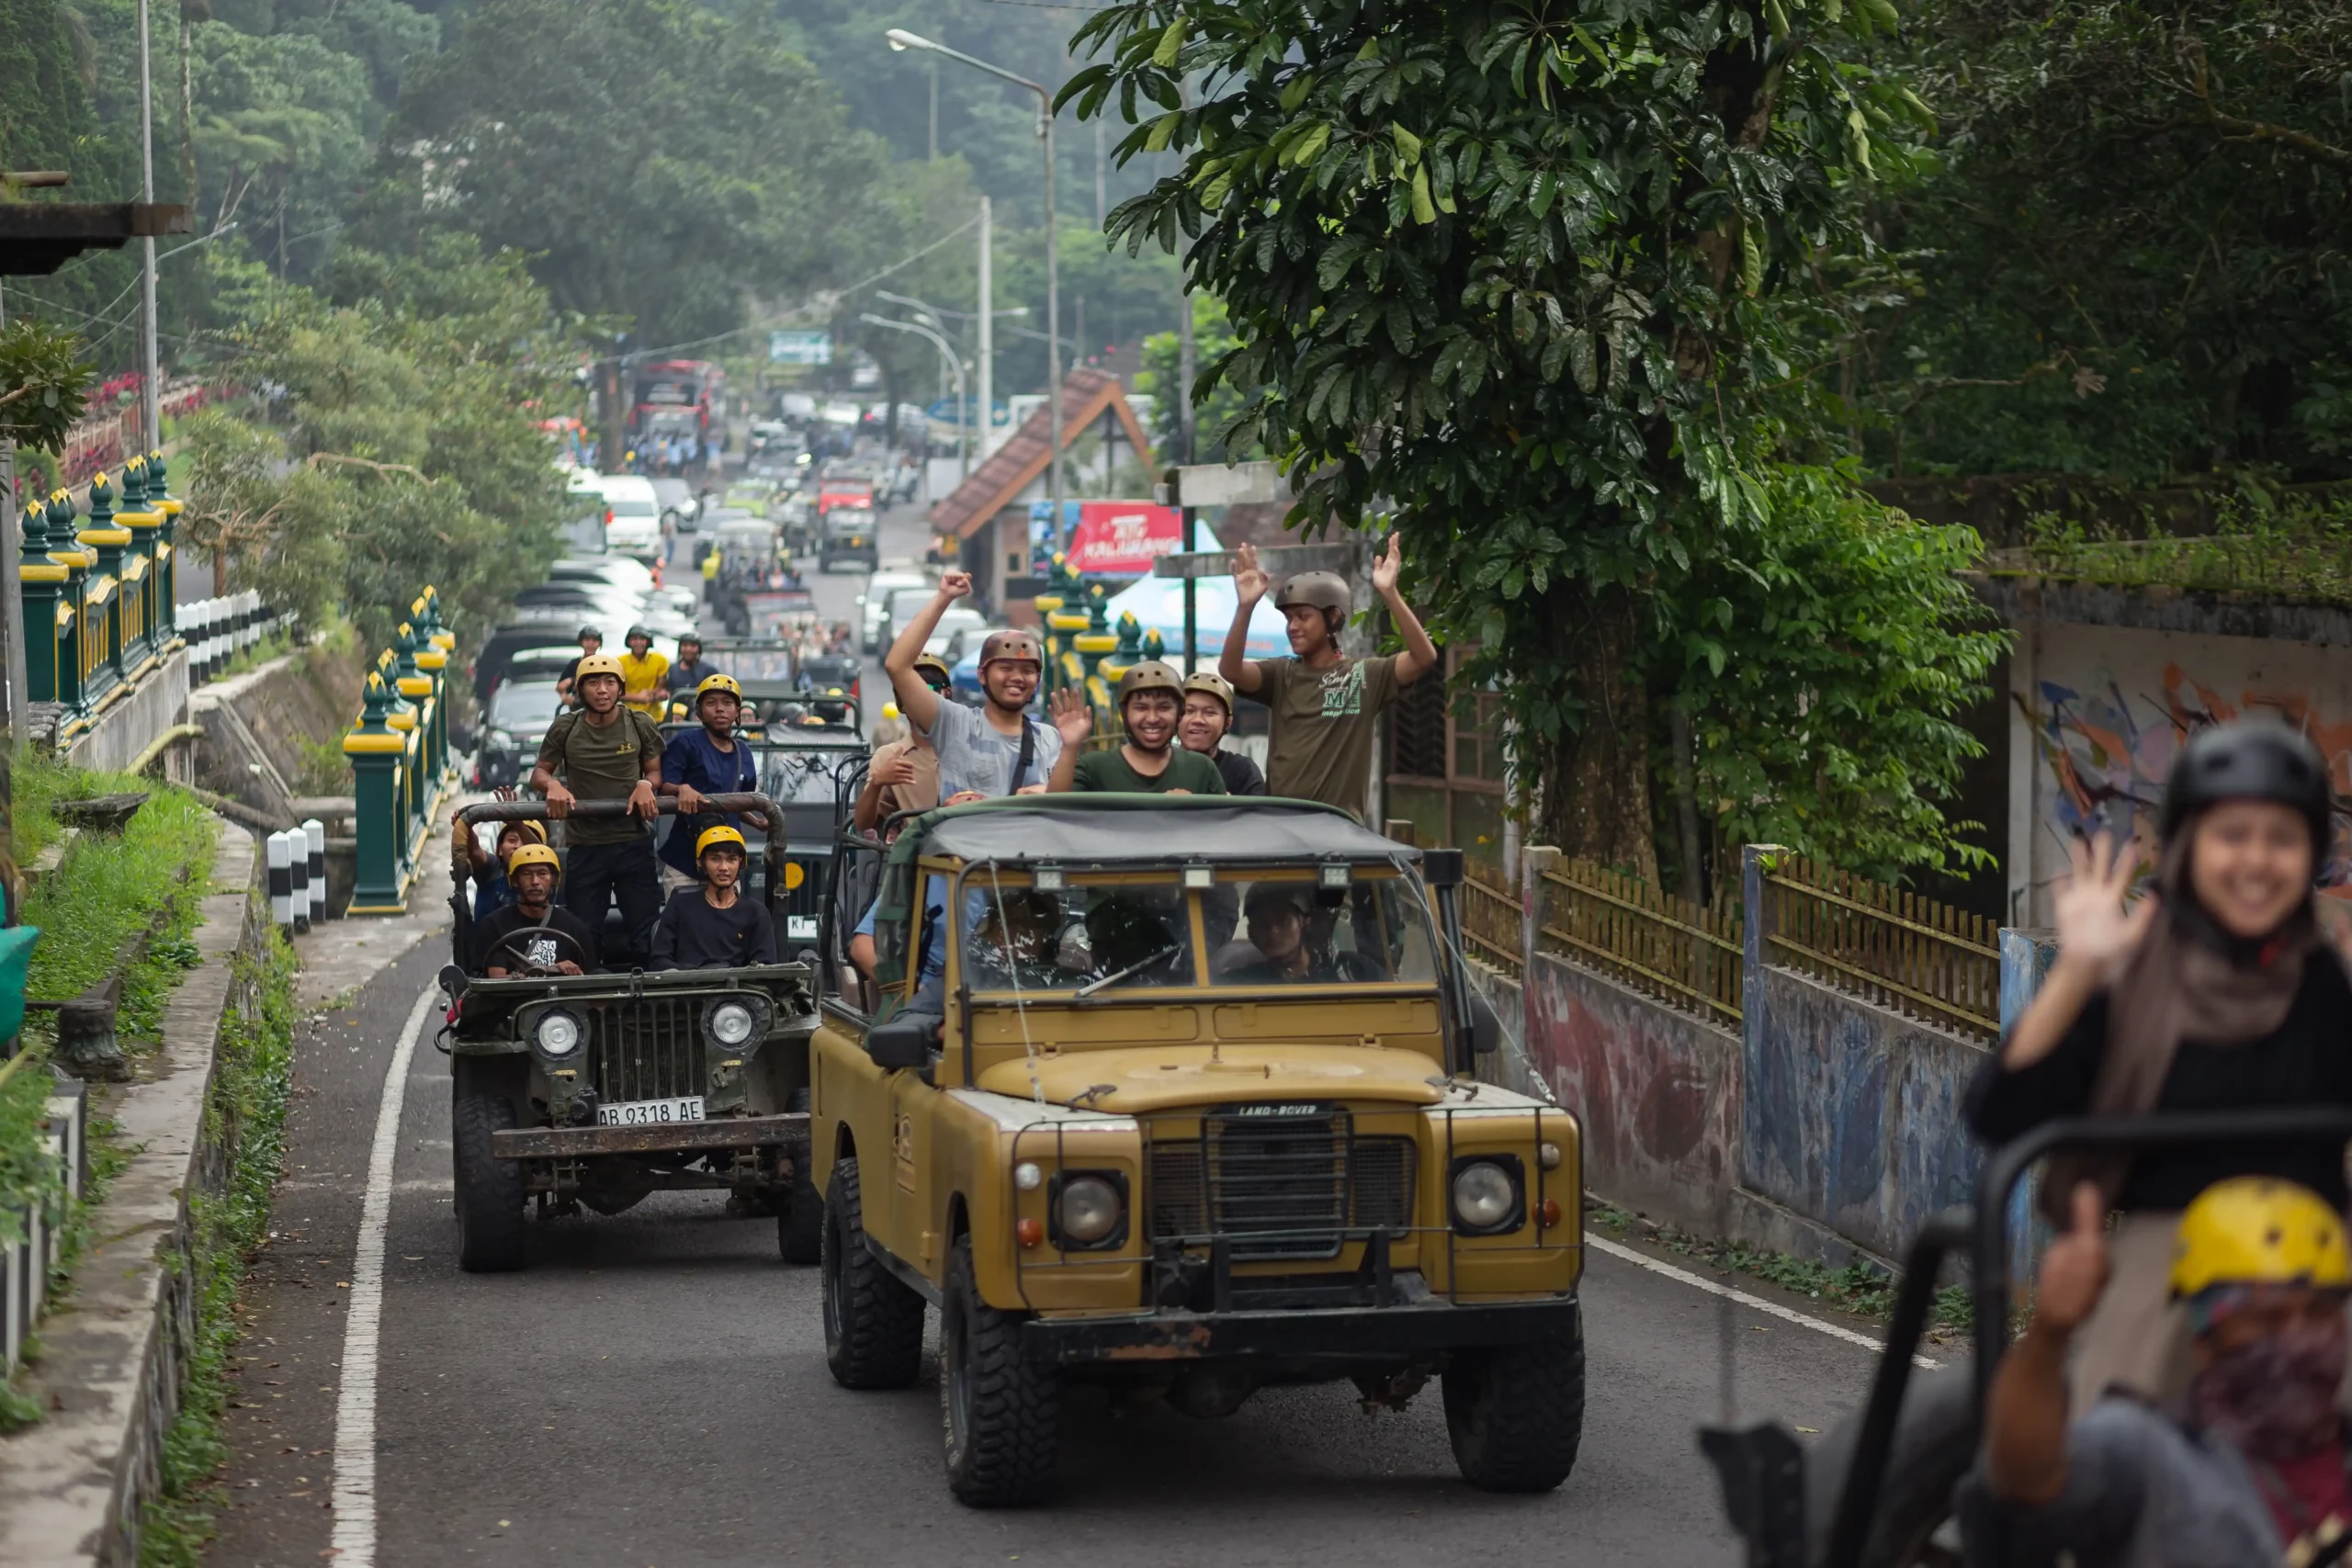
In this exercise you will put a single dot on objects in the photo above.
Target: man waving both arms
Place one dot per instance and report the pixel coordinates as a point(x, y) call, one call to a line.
point(996, 749)
point(1324, 703)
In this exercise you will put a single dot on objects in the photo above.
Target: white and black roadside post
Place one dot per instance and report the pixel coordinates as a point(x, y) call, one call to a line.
point(314, 842)
point(281, 880)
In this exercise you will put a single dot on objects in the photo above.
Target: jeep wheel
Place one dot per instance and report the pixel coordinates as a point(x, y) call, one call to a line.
point(873, 1323)
point(1000, 1409)
point(1516, 1412)
point(489, 1191)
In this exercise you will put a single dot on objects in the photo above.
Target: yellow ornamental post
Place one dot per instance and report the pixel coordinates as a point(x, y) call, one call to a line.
point(376, 752)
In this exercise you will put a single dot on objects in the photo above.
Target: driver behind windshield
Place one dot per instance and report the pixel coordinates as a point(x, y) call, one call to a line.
point(1280, 926)
point(531, 936)
point(714, 926)
point(1016, 939)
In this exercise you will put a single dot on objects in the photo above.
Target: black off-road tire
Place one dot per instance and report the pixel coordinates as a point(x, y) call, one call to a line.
point(999, 1411)
point(1934, 1447)
point(873, 1321)
point(1516, 1412)
point(489, 1191)
point(800, 1213)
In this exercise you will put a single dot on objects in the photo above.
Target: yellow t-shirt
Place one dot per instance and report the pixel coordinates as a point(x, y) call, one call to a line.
point(644, 675)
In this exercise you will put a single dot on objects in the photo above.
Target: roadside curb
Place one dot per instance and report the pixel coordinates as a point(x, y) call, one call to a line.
point(72, 1487)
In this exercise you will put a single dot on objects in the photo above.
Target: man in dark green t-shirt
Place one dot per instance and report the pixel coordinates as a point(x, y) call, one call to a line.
point(1325, 704)
point(1149, 762)
point(606, 752)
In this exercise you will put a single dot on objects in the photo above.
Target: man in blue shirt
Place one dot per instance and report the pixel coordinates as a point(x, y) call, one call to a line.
point(708, 761)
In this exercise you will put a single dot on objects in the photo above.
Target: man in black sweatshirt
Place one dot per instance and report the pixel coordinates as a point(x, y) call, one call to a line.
point(714, 926)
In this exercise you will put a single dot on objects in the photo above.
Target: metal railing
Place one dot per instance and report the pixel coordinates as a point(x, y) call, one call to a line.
point(1902, 951)
point(1686, 955)
point(1492, 923)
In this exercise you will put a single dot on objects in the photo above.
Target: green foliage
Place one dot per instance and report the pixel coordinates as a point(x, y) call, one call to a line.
point(2132, 257)
point(1212, 340)
point(110, 887)
point(660, 164)
point(246, 1115)
point(410, 422)
point(281, 129)
point(2289, 545)
point(42, 383)
point(1531, 273)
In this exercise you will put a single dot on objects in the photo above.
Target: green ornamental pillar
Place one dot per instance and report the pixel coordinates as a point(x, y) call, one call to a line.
point(1065, 624)
point(137, 593)
point(72, 621)
point(402, 719)
point(49, 618)
point(1094, 644)
point(165, 616)
point(422, 688)
point(434, 661)
point(102, 599)
point(376, 752)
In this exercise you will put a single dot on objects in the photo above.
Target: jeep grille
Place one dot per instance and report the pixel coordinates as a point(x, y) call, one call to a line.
point(646, 1047)
point(1280, 1187)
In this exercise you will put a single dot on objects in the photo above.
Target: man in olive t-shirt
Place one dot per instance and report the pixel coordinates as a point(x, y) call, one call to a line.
point(606, 752)
point(1324, 703)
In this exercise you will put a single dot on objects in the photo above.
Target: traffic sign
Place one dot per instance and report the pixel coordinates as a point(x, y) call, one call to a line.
point(800, 347)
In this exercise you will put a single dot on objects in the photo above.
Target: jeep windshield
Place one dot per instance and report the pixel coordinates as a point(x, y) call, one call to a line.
point(1107, 934)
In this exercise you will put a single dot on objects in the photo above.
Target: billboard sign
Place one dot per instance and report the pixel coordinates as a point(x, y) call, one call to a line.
point(800, 347)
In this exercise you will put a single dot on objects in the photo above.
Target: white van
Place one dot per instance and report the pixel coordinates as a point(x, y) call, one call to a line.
point(632, 516)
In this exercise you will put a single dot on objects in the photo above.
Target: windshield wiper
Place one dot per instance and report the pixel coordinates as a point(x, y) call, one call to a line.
point(1163, 957)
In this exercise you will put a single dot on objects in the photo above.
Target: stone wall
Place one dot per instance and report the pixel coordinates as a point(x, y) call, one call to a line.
point(153, 706)
point(256, 726)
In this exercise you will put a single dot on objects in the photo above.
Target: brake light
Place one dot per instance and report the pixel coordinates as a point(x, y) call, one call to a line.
point(608, 517)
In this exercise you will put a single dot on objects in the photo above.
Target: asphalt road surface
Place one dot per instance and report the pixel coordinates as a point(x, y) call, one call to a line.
point(652, 1391)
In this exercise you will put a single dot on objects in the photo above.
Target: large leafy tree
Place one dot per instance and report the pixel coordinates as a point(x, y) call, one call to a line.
point(658, 163)
point(1519, 277)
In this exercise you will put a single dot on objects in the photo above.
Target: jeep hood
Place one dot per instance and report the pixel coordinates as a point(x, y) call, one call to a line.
point(1158, 1078)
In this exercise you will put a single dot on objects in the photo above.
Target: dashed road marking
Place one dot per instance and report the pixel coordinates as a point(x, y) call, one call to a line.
point(354, 1534)
point(1757, 1303)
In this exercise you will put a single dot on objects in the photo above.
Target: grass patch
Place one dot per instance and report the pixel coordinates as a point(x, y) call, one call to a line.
point(1859, 1288)
point(246, 1114)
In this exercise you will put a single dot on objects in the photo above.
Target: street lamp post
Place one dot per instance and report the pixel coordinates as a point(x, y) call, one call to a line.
point(947, 352)
point(901, 40)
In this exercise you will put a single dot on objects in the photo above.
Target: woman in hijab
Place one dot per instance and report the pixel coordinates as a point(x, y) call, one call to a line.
point(2217, 991)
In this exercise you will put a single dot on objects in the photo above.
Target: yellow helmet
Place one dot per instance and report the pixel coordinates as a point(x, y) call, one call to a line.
point(727, 683)
point(529, 829)
point(532, 854)
point(722, 834)
point(598, 664)
point(2257, 1229)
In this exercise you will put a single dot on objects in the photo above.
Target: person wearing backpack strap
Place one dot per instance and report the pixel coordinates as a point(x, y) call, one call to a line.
point(606, 752)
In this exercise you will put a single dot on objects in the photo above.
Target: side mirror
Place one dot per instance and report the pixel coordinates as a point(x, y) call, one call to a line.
point(1485, 1026)
point(904, 1042)
point(452, 982)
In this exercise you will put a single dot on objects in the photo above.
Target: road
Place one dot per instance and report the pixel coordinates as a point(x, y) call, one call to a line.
point(652, 1391)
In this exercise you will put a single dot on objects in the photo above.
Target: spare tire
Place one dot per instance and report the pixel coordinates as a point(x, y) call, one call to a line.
point(1935, 1444)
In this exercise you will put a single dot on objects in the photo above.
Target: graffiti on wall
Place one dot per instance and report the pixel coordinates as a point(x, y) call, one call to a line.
point(2109, 754)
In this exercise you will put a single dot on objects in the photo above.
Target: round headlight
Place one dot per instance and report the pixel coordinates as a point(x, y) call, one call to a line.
point(1089, 1210)
point(732, 1023)
point(557, 1033)
point(1484, 1195)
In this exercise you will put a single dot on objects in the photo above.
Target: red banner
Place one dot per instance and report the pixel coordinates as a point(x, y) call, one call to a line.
point(1123, 538)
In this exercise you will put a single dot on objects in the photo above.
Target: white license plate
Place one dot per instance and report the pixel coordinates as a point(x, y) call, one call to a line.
point(800, 928)
point(651, 1113)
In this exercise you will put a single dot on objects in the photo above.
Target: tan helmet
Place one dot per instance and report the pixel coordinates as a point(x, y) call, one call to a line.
point(1326, 591)
point(931, 662)
point(1012, 645)
point(1151, 676)
point(1214, 684)
point(598, 664)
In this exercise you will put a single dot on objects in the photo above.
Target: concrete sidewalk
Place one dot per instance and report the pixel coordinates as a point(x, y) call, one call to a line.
point(339, 957)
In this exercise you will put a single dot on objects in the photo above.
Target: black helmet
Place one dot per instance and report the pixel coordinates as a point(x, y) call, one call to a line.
point(635, 632)
point(587, 632)
point(2249, 759)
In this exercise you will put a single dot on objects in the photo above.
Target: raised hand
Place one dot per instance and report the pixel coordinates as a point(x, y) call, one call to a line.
point(2093, 925)
point(954, 584)
point(2074, 1267)
point(1073, 716)
point(1249, 581)
point(1385, 570)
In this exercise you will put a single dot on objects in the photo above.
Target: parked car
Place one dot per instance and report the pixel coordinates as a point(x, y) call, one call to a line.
point(874, 606)
point(520, 712)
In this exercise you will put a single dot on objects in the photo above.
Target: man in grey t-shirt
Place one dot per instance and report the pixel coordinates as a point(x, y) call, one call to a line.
point(996, 749)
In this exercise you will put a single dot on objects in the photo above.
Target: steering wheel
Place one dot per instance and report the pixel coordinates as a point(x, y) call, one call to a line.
point(530, 971)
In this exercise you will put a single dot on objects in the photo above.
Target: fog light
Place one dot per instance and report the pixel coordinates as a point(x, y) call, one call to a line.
point(1548, 1156)
point(1027, 1176)
point(1030, 1232)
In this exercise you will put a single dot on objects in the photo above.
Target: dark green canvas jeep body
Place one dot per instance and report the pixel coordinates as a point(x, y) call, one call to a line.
point(591, 1091)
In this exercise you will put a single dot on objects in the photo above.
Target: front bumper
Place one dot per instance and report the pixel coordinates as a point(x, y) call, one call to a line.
point(576, 1143)
point(1367, 1333)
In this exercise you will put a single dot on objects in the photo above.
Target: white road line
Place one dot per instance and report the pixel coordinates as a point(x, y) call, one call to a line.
point(354, 1537)
point(1757, 1303)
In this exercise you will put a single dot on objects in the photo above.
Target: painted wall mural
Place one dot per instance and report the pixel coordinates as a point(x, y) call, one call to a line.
point(2107, 745)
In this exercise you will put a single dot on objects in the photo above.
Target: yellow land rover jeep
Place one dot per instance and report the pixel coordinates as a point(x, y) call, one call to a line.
point(1174, 1093)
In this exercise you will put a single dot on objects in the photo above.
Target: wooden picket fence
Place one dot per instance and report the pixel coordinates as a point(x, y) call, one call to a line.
point(1686, 955)
point(1492, 921)
point(1905, 953)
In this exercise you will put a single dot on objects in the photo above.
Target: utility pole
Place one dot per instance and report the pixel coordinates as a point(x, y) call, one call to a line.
point(150, 396)
point(1101, 199)
point(1185, 367)
point(988, 340)
point(935, 111)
